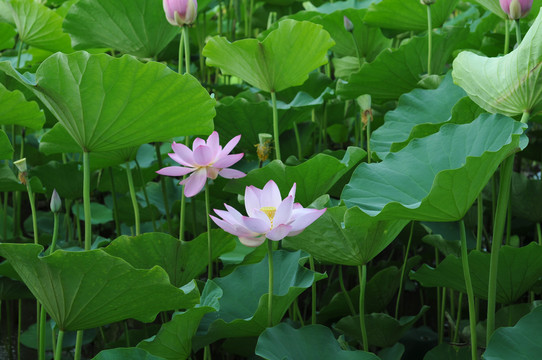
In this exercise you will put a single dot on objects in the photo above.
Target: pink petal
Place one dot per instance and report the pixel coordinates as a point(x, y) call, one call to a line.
point(257, 225)
point(292, 191)
point(252, 200)
point(258, 214)
point(194, 183)
point(227, 161)
point(231, 174)
point(203, 155)
point(278, 233)
point(230, 145)
point(198, 142)
point(224, 225)
point(306, 218)
point(175, 171)
point(270, 195)
point(252, 241)
point(236, 214)
point(184, 154)
point(284, 212)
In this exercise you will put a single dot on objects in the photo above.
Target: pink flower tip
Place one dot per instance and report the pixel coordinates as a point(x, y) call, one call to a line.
point(516, 9)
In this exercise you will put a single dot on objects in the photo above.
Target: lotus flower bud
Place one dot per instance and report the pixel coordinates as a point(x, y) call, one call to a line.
point(21, 165)
point(348, 24)
point(56, 203)
point(516, 9)
point(180, 12)
point(428, 2)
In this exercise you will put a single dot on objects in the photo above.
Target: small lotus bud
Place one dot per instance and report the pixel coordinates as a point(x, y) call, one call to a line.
point(21, 165)
point(56, 203)
point(428, 2)
point(180, 12)
point(516, 9)
point(348, 24)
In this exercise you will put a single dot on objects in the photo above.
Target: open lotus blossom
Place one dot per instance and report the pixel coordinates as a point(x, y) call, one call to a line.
point(207, 159)
point(268, 216)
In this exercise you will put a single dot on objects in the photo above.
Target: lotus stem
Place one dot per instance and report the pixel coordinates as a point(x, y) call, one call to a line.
point(506, 36)
point(43, 320)
point(31, 199)
point(276, 125)
point(186, 49)
point(403, 269)
point(429, 39)
point(181, 53)
point(209, 243)
point(133, 197)
point(480, 225)
point(313, 292)
point(19, 327)
point(86, 200)
point(163, 185)
point(345, 293)
point(518, 33)
point(539, 233)
point(58, 351)
point(55, 233)
point(458, 317)
point(362, 273)
point(19, 52)
point(270, 298)
point(442, 315)
point(470, 292)
point(298, 142)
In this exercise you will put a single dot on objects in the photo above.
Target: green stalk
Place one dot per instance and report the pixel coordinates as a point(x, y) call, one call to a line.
point(276, 126)
point(86, 200)
point(78, 345)
point(518, 33)
point(298, 142)
point(403, 269)
point(458, 317)
point(429, 39)
point(442, 312)
point(506, 36)
point(368, 133)
point(345, 293)
point(181, 54)
point(145, 194)
point(539, 233)
point(209, 243)
point(19, 52)
point(313, 293)
point(133, 197)
point(58, 351)
point(362, 273)
point(115, 205)
point(480, 226)
point(498, 231)
point(31, 199)
point(470, 292)
point(357, 49)
point(43, 317)
point(19, 326)
point(186, 49)
point(163, 185)
point(270, 298)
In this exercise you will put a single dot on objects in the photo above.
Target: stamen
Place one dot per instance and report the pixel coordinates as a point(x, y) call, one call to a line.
point(270, 212)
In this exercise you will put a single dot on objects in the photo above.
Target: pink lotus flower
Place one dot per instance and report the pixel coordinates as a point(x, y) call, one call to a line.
point(207, 159)
point(268, 216)
point(180, 12)
point(516, 9)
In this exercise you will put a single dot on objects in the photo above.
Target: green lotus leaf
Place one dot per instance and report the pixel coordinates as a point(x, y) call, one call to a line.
point(241, 297)
point(86, 289)
point(125, 353)
point(307, 343)
point(108, 103)
point(136, 27)
point(401, 67)
point(448, 352)
point(17, 111)
point(346, 237)
point(408, 15)
point(313, 178)
point(174, 339)
point(436, 178)
point(417, 108)
point(7, 35)
point(331, 7)
point(283, 59)
point(519, 269)
point(510, 84)
point(494, 6)
point(384, 329)
point(521, 341)
point(183, 261)
point(6, 150)
point(39, 26)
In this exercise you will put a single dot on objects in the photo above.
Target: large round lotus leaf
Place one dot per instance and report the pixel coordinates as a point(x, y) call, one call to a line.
point(136, 27)
point(415, 109)
point(241, 297)
point(408, 15)
point(307, 343)
point(346, 237)
point(38, 25)
point(436, 178)
point(518, 342)
point(86, 289)
point(448, 352)
point(17, 111)
point(108, 103)
point(125, 353)
point(174, 340)
point(401, 67)
point(519, 269)
point(283, 59)
point(509, 84)
point(183, 261)
point(313, 178)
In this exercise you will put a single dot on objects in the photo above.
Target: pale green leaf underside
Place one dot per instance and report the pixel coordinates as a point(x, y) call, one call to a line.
point(17, 111)
point(108, 103)
point(511, 84)
point(136, 27)
point(87, 289)
point(436, 178)
point(494, 6)
point(284, 59)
